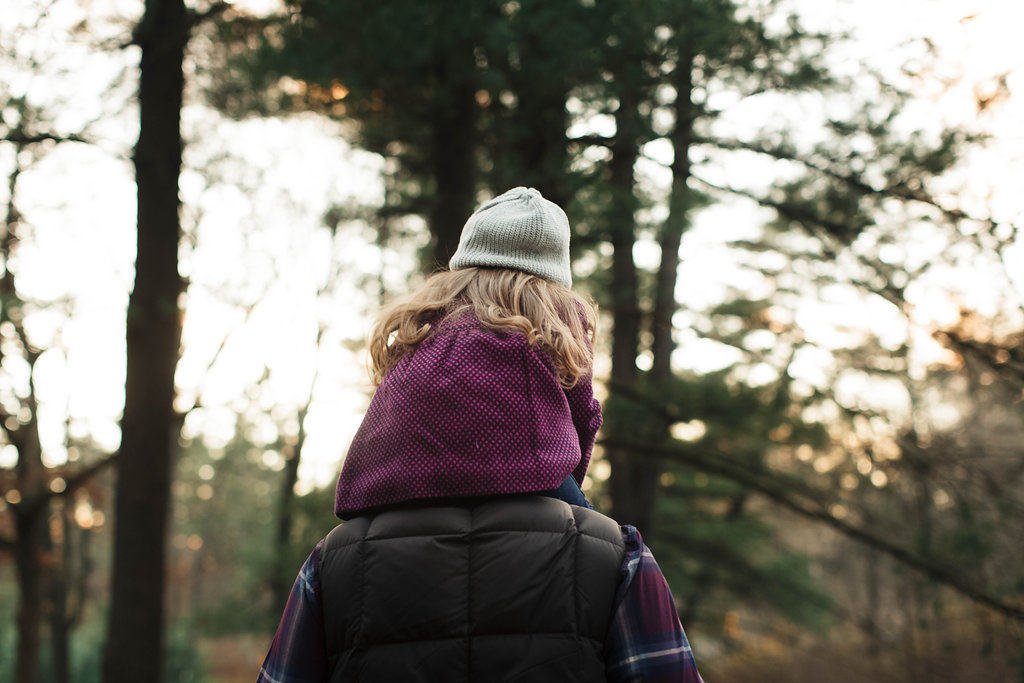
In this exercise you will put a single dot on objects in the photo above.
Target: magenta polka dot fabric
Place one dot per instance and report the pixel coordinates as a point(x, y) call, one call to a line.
point(472, 412)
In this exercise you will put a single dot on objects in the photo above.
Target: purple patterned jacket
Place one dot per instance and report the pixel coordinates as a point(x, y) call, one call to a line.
point(472, 412)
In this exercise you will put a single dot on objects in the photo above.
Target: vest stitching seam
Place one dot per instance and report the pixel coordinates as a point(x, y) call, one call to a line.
point(456, 534)
point(500, 635)
point(576, 581)
point(324, 552)
point(357, 639)
point(469, 598)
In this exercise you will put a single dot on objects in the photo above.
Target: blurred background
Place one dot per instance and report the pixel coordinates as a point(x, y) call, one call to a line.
point(800, 220)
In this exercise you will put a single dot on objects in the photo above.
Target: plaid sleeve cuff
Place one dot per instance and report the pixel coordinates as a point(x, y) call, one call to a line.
point(646, 641)
point(298, 653)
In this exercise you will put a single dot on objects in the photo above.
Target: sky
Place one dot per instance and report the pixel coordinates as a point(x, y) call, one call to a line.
point(268, 247)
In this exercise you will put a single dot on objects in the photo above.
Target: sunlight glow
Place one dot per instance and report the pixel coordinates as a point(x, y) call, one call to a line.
point(268, 250)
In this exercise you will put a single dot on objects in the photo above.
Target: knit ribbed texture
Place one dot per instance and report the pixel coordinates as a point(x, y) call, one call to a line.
point(519, 230)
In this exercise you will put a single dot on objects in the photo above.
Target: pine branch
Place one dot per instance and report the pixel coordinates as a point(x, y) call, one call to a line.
point(823, 229)
point(778, 493)
point(897, 190)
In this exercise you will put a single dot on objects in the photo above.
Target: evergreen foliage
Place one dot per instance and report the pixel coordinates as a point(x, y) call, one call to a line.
point(573, 97)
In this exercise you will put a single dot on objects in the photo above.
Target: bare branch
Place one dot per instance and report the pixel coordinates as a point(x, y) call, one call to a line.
point(212, 12)
point(82, 476)
point(13, 434)
point(597, 140)
point(248, 308)
point(21, 138)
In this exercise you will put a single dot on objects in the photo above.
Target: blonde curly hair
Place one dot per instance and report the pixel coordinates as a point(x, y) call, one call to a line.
point(559, 321)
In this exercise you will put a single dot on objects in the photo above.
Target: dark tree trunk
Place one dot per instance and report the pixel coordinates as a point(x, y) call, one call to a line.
point(454, 140)
point(622, 217)
point(646, 474)
point(542, 152)
point(135, 642)
point(538, 126)
point(871, 560)
point(529, 140)
point(280, 584)
point(60, 626)
point(626, 497)
point(31, 530)
point(32, 533)
point(677, 221)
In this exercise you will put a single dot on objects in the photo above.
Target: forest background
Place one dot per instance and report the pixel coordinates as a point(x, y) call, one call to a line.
point(800, 220)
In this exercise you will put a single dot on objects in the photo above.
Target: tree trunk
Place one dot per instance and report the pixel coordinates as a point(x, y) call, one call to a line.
point(538, 127)
point(280, 583)
point(625, 492)
point(872, 628)
point(454, 139)
point(647, 474)
point(31, 529)
point(678, 218)
point(542, 150)
point(135, 642)
point(32, 533)
point(60, 627)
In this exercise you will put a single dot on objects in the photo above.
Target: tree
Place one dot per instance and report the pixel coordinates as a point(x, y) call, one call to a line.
point(34, 485)
point(135, 642)
point(39, 495)
point(413, 101)
point(655, 76)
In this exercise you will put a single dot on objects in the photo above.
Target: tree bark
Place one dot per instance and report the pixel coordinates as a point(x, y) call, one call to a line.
point(135, 641)
point(678, 219)
point(30, 530)
point(645, 473)
point(60, 626)
point(32, 534)
point(624, 487)
point(280, 585)
point(539, 123)
point(454, 140)
point(542, 150)
point(32, 540)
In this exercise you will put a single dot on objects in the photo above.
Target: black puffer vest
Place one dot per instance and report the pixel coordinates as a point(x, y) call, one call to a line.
point(513, 589)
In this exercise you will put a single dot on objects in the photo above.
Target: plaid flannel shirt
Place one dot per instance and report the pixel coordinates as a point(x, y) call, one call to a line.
point(645, 640)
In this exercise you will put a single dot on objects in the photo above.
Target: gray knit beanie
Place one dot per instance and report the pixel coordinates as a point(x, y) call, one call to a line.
point(519, 230)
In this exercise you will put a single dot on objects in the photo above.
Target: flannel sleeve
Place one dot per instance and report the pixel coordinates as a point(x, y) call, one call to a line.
point(646, 641)
point(298, 653)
